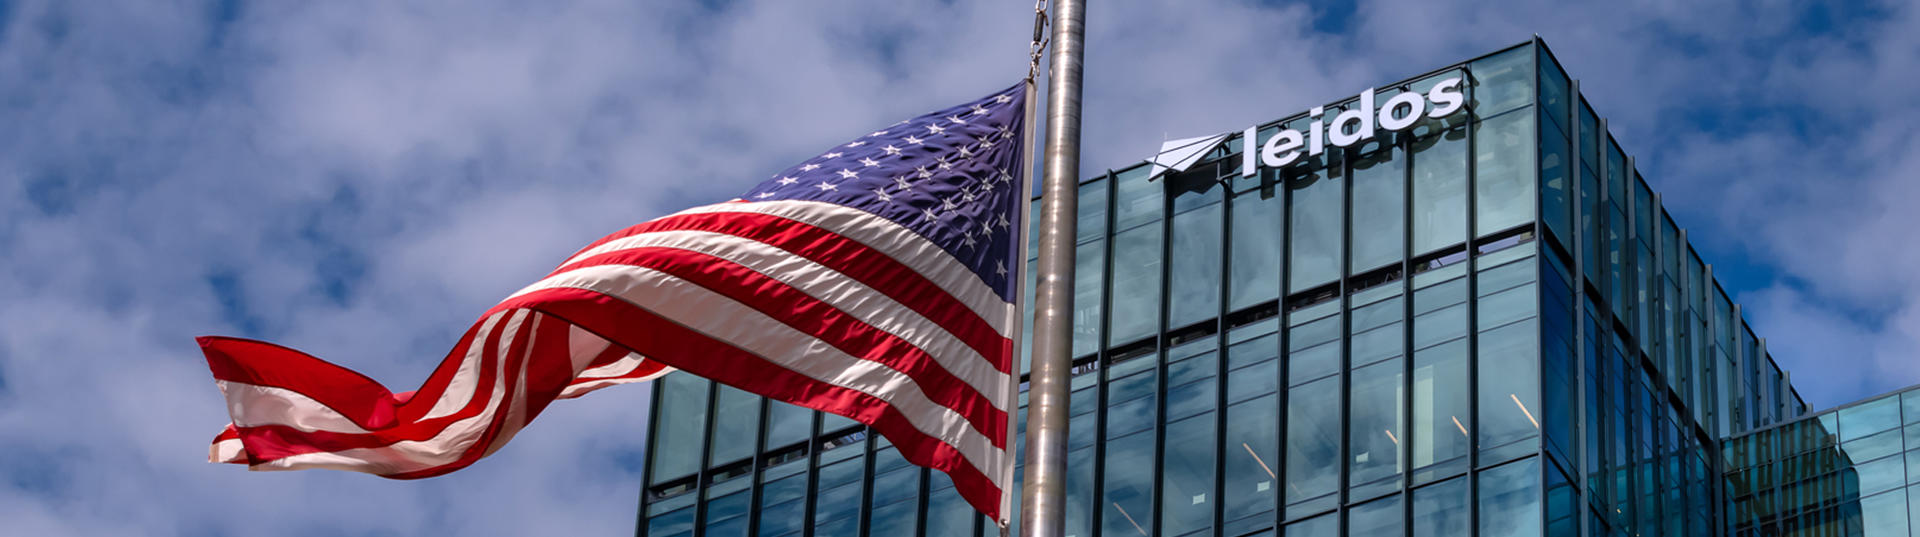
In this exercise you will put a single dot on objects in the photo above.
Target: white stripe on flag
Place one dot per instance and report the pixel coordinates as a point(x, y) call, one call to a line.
point(840, 291)
point(743, 327)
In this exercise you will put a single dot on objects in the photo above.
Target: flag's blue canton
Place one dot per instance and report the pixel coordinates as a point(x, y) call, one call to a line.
point(953, 176)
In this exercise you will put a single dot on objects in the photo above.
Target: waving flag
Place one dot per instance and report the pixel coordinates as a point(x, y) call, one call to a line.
point(876, 281)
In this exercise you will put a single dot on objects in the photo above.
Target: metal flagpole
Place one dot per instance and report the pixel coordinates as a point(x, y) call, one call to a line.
point(1043, 494)
point(1035, 50)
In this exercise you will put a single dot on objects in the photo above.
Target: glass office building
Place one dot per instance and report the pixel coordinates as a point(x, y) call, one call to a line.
point(1483, 324)
point(1852, 471)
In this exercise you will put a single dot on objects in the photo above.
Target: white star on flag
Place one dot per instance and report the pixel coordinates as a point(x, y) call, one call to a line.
point(826, 186)
point(891, 150)
point(848, 174)
point(915, 141)
point(869, 162)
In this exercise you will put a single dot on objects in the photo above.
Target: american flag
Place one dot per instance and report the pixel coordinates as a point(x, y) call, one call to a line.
point(876, 281)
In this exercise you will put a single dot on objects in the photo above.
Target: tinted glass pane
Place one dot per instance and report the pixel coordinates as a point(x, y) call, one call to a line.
point(1327, 525)
point(1441, 510)
point(1374, 441)
point(1379, 208)
point(1136, 283)
point(682, 422)
point(1864, 419)
point(1503, 172)
point(1440, 191)
point(787, 424)
point(736, 415)
point(1136, 200)
point(1251, 450)
point(1440, 412)
point(1315, 220)
point(1091, 222)
point(1510, 500)
point(1376, 518)
point(1255, 269)
point(1556, 174)
point(1195, 265)
point(1188, 463)
point(1505, 81)
point(1313, 439)
point(1509, 383)
point(1090, 261)
point(1127, 505)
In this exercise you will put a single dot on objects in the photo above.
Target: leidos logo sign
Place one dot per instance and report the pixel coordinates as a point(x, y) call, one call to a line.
point(1350, 127)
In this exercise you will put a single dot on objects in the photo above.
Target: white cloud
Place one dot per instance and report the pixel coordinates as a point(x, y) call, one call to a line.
point(429, 158)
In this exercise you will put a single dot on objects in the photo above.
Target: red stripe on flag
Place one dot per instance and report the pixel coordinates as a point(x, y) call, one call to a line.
point(821, 320)
point(652, 335)
point(856, 260)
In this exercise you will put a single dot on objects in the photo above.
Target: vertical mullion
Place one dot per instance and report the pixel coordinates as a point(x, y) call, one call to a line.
point(814, 443)
point(1346, 326)
point(1282, 339)
point(1473, 307)
point(1101, 355)
point(706, 459)
point(865, 518)
point(1540, 231)
point(759, 457)
point(1220, 344)
point(1578, 250)
point(1406, 329)
point(646, 468)
point(1160, 352)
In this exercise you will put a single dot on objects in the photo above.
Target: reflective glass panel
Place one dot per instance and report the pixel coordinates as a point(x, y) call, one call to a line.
point(1510, 500)
point(1195, 265)
point(1256, 234)
point(1440, 412)
point(1376, 518)
point(1136, 284)
point(1441, 510)
point(1251, 450)
point(1188, 466)
point(1127, 504)
point(1379, 208)
point(1504, 81)
point(1315, 224)
point(682, 421)
point(1374, 437)
point(1439, 191)
point(1313, 439)
point(1503, 172)
point(736, 415)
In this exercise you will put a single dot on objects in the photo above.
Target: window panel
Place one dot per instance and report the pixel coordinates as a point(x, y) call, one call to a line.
point(682, 421)
point(1861, 420)
point(736, 415)
point(1509, 372)
point(1504, 81)
point(1440, 191)
point(1136, 284)
point(1257, 229)
point(1510, 500)
point(1556, 172)
point(1188, 476)
point(1441, 510)
point(1091, 220)
point(1127, 499)
point(1314, 221)
point(1136, 201)
point(1374, 437)
point(1440, 413)
point(1503, 172)
point(1089, 264)
point(1195, 265)
point(1313, 439)
point(1378, 518)
point(1251, 450)
point(1379, 208)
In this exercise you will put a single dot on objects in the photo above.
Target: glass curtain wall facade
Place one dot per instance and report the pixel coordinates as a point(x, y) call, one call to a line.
point(1485, 324)
point(1849, 472)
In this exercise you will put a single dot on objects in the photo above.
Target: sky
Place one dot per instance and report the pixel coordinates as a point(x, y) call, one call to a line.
point(361, 179)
